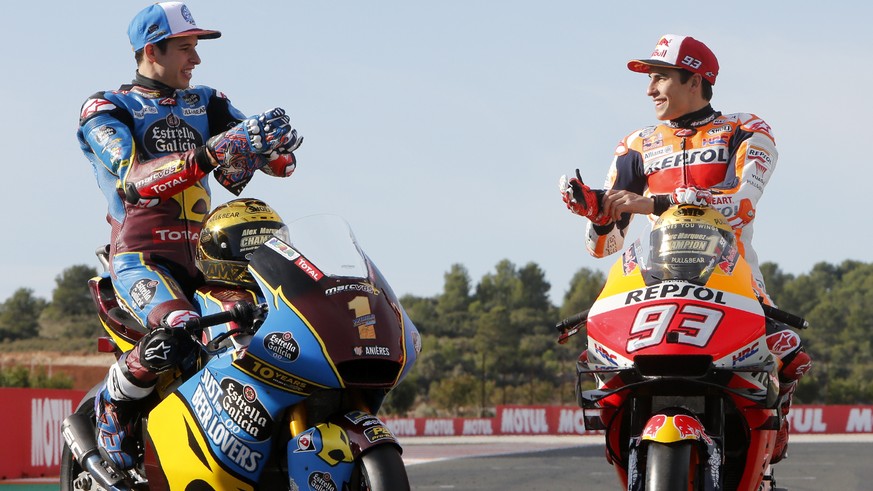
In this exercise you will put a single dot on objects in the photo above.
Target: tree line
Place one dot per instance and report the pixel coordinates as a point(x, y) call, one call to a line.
point(493, 342)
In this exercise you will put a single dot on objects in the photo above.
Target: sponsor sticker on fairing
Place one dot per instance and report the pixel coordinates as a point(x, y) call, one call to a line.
point(282, 248)
point(207, 405)
point(377, 433)
point(305, 443)
point(246, 413)
point(372, 351)
point(321, 481)
point(282, 346)
point(690, 428)
point(308, 268)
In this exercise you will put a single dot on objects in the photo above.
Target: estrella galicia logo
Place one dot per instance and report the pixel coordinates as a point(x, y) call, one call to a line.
point(171, 135)
point(282, 346)
point(241, 405)
point(321, 481)
point(143, 291)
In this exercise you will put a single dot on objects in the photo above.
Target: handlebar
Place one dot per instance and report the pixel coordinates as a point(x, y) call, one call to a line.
point(571, 325)
point(784, 317)
point(244, 313)
point(572, 321)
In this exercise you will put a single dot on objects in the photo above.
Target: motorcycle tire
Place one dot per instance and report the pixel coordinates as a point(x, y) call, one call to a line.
point(70, 469)
point(668, 467)
point(380, 469)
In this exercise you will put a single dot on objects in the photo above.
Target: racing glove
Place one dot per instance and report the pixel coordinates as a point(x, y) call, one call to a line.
point(245, 148)
point(745, 214)
point(582, 200)
point(256, 135)
point(281, 161)
point(692, 196)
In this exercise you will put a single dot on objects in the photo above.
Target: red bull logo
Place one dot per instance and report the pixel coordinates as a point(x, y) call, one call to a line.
point(689, 428)
point(654, 425)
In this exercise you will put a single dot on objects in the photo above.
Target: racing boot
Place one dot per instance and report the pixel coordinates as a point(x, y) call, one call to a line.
point(117, 409)
point(786, 394)
point(794, 362)
point(780, 448)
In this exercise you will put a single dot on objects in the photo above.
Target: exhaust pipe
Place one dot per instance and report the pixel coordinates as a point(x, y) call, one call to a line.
point(78, 432)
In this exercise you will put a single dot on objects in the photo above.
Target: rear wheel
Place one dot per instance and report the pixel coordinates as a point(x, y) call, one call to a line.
point(380, 469)
point(668, 467)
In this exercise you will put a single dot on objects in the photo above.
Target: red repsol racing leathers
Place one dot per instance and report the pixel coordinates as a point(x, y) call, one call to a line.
point(732, 155)
point(150, 138)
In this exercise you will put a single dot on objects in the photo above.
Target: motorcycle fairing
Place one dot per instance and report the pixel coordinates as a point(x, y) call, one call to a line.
point(630, 318)
point(364, 312)
point(325, 454)
point(218, 424)
point(184, 457)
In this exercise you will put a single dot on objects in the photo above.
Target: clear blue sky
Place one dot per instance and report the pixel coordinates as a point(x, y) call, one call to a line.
point(439, 129)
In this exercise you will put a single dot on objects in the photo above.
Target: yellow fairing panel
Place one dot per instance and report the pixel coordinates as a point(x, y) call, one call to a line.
point(183, 453)
point(739, 281)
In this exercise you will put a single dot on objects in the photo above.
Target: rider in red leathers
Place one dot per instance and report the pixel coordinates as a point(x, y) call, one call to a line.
point(696, 155)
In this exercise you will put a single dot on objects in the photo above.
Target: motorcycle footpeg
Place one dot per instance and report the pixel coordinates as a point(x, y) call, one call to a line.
point(78, 433)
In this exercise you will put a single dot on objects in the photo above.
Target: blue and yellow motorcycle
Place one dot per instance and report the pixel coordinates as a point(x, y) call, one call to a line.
point(296, 407)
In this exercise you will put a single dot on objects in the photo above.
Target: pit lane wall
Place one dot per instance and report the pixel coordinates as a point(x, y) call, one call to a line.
point(557, 420)
point(31, 441)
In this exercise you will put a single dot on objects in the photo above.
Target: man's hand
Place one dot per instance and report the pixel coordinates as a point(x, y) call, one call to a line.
point(259, 135)
point(692, 196)
point(582, 200)
point(270, 131)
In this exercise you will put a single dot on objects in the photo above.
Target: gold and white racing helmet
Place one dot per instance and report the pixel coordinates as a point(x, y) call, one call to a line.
point(230, 234)
point(687, 241)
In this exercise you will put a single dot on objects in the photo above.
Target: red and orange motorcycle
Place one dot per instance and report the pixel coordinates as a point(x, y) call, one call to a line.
point(686, 388)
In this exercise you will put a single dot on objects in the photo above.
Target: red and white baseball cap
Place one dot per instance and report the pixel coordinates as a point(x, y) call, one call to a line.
point(683, 52)
point(164, 20)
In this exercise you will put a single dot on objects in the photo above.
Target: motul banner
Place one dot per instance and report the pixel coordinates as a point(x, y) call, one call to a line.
point(32, 440)
point(558, 420)
point(831, 419)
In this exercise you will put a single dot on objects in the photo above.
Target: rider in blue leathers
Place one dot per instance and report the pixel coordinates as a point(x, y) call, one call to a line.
point(153, 144)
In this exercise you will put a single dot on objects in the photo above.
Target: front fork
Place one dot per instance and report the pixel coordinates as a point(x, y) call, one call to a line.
point(323, 456)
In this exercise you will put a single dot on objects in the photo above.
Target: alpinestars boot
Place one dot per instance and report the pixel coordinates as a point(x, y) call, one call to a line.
point(117, 406)
point(115, 437)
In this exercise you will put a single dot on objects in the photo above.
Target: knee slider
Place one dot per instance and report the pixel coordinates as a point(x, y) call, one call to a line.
point(165, 348)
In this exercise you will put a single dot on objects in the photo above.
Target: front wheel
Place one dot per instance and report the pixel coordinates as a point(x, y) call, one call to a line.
point(668, 467)
point(380, 469)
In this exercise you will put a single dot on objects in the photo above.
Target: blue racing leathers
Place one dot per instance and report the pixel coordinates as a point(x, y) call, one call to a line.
point(145, 142)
